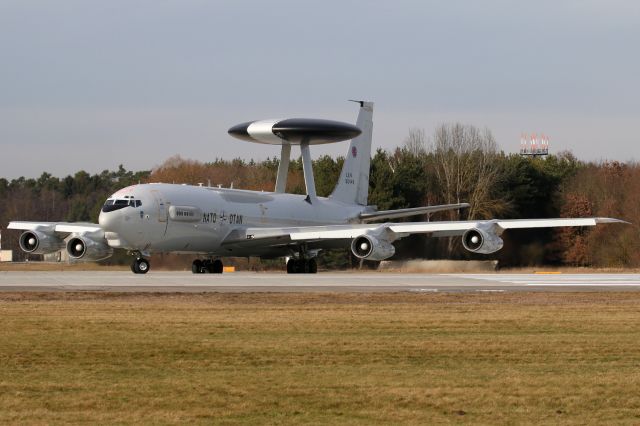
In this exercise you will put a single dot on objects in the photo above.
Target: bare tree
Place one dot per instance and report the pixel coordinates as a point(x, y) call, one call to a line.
point(416, 142)
point(466, 162)
point(467, 167)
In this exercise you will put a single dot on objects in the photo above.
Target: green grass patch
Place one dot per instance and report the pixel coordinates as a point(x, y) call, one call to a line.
point(326, 358)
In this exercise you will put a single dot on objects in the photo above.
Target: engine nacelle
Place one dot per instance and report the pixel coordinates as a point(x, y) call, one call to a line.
point(85, 248)
point(481, 241)
point(371, 248)
point(38, 242)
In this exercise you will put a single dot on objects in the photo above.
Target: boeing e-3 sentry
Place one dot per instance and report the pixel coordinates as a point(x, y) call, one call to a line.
point(213, 223)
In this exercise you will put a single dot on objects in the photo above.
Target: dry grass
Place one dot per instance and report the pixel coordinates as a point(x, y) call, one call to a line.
point(300, 358)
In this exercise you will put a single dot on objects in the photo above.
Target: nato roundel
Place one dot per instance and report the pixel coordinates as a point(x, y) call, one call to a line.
point(295, 131)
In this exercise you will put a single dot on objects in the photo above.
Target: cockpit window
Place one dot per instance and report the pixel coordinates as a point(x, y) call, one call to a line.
point(112, 205)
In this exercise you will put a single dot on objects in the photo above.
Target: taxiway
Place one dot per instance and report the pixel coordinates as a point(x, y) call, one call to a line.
point(159, 281)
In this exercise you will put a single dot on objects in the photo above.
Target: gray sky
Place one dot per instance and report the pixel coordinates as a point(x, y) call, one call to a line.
point(92, 84)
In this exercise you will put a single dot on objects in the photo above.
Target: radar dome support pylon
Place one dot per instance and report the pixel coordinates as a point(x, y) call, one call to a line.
point(283, 168)
point(307, 169)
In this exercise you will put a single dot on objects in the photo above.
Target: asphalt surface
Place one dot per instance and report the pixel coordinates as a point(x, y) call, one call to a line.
point(159, 281)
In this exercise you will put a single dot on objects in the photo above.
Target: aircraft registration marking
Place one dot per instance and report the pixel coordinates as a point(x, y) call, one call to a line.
point(348, 179)
point(214, 217)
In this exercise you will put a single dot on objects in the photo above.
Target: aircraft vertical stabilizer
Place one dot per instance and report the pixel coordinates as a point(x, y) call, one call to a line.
point(353, 185)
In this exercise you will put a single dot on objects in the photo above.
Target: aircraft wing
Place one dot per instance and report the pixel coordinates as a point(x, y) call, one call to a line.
point(56, 227)
point(393, 231)
point(441, 229)
point(414, 211)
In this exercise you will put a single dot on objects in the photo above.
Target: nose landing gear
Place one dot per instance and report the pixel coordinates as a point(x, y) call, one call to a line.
point(207, 266)
point(140, 266)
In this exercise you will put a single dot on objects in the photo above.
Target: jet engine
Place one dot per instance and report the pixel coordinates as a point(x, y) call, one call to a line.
point(38, 242)
point(371, 248)
point(84, 248)
point(481, 241)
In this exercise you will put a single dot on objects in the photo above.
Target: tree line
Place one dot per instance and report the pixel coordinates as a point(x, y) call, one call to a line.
point(457, 163)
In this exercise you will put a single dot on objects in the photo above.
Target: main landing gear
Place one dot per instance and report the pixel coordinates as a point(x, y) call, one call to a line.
point(302, 266)
point(207, 266)
point(140, 266)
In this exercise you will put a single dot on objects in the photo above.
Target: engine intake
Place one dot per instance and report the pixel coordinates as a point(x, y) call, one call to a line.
point(85, 248)
point(371, 248)
point(37, 242)
point(481, 241)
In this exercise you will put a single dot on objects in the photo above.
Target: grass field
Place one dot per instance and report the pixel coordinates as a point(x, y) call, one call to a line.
point(330, 358)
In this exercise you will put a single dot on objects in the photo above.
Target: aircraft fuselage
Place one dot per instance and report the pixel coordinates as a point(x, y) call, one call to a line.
point(196, 219)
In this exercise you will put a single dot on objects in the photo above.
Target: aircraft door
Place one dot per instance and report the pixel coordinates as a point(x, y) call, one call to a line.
point(160, 206)
point(162, 210)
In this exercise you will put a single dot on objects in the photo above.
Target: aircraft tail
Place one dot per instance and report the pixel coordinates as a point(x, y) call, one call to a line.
point(353, 185)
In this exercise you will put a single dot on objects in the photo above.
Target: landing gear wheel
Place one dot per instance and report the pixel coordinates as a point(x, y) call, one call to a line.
point(302, 266)
point(217, 267)
point(291, 266)
point(143, 266)
point(140, 266)
point(312, 266)
point(196, 266)
point(207, 266)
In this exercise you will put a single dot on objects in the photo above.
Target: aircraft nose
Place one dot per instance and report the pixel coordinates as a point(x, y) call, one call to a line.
point(107, 221)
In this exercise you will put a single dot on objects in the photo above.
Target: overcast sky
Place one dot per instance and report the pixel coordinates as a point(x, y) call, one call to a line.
point(93, 84)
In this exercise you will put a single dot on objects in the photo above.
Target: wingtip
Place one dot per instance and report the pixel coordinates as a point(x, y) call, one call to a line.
point(611, 220)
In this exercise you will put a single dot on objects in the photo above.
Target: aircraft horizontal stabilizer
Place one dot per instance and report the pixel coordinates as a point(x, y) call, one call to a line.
point(394, 214)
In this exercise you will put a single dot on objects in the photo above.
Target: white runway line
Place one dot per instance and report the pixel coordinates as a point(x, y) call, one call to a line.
point(569, 280)
point(582, 284)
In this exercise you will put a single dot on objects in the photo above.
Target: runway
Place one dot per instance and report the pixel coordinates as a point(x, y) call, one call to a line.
point(159, 281)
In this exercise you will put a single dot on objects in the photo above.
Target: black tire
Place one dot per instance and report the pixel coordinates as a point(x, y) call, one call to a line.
point(291, 266)
point(217, 267)
point(312, 267)
point(143, 266)
point(134, 267)
point(196, 266)
point(299, 266)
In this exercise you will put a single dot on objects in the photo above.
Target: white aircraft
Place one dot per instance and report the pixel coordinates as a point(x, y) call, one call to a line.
point(213, 222)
